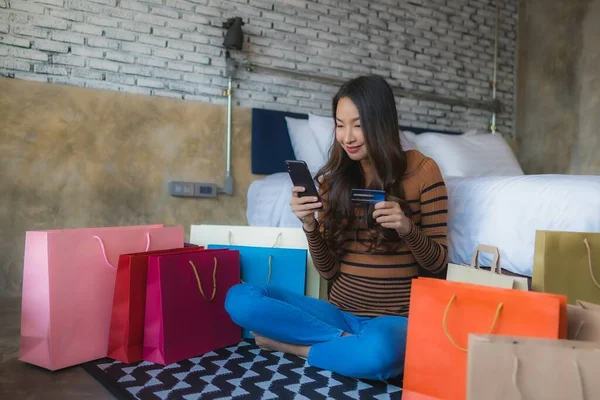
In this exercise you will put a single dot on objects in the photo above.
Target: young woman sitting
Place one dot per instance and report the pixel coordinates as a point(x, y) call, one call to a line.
point(370, 253)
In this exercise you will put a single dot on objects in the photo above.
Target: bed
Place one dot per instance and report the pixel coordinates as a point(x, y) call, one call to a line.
point(491, 201)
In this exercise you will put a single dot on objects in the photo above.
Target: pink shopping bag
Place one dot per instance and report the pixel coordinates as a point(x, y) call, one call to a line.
point(185, 305)
point(68, 284)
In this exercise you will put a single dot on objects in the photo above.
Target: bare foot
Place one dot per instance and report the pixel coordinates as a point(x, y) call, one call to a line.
point(265, 343)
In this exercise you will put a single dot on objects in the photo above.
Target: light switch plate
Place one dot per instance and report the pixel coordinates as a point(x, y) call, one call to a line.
point(181, 189)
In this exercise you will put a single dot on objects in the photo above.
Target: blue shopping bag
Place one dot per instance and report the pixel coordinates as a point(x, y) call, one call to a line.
point(280, 267)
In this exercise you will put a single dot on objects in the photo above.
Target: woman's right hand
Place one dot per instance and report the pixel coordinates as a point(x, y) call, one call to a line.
point(304, 208)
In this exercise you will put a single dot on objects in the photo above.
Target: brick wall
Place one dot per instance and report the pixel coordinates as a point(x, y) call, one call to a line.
point(174, 48)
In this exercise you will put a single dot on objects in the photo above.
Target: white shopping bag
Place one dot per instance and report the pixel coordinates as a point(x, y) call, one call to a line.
point(473, 274)
point(263, 236)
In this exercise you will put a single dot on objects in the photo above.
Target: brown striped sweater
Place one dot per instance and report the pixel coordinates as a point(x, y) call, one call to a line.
point(379, 282)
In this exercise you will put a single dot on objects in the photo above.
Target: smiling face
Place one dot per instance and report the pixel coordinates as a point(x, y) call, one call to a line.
point(348, 131)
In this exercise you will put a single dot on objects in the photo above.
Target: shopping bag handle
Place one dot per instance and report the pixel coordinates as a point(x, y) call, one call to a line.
point(104, 249)
point(200, 283)
point(270, 270)
point(484, 248)
point(515, 374)
point(445, 326)
point(589, 251)
point(274, 244)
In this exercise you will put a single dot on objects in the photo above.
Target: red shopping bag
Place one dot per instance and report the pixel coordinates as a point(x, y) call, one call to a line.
point(129, 304)
point(444, 313)
point(185, 304)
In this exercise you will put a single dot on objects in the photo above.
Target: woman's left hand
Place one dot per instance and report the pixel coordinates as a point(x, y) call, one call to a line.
point(389, 215)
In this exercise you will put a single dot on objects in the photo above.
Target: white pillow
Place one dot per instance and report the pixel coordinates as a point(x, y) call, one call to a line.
point(324, 130)
point(407, 140)
point(475, 155)
point(304, 143)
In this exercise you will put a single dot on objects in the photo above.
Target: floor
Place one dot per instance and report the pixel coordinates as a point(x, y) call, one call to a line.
point(26, 382)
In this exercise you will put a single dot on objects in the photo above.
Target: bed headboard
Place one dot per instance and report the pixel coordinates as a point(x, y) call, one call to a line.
point(271, 144)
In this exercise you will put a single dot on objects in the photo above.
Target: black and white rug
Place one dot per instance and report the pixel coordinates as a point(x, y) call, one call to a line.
point(238, 372)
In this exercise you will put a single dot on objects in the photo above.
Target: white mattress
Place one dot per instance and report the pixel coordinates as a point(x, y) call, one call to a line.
point(501, 211)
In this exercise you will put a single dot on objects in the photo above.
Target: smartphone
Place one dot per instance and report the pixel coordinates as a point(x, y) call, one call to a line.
point(301, 176)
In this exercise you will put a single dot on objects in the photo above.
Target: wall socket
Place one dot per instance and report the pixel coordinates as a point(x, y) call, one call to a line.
point(192, 189)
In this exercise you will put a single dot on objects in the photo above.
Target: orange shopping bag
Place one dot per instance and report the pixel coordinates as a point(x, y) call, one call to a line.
point(444, 313)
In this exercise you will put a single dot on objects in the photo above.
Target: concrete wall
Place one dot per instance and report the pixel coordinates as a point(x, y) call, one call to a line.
point(174, 48)
point(76, 157)
point(558, 94)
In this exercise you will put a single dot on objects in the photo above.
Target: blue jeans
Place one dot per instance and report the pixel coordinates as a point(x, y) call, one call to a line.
point(374, 350)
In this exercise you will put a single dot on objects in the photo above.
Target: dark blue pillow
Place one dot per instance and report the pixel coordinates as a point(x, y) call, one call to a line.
point(271, 144)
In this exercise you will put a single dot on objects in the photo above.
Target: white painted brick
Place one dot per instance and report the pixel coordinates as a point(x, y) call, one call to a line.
point(196, 38)
point(136, 70)
point(122, 79)
point(13, 64)
point(27, 6)
point(135, 48)
point(63, 59)
point(4, 27)
point(49, 45)
point(154, 41)
point(182, 87)
point(87, 29)
point(151, 62)
point(165, 32)
point(30, 77)
point(196, 58)
point(102, 21)
point(134, 5)
point(28, 54)
point(182, 5)
point(67, 15)
point(105, 2)
point(166, 74)
point(29, 31)
point(104, 65)
point(87, 52)
point(152, 83)
point(120, 35)
point(101, 42)
point(49, 22)
point(120, 57)
point(181, 25)
point(120, 13)
point(196, 78)
point(167, 53)
point(69, 37)
point(209, 50)
point(150, 19)
point(87, 74)
point(180, 66)
point(164, 12)
point(50, 69)
point(180, 45)
point(13, 41)
point(135, 27)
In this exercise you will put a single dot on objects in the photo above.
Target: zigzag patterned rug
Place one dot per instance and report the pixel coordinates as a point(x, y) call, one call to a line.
point(239, 372)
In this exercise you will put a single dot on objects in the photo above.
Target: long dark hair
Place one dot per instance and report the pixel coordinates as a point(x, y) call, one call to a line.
point(376, 106)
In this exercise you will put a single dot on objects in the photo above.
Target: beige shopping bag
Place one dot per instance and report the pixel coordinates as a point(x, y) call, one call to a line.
point(263, 236)
point(515, 368)
point(588, 306)
point(583, 323)
point(473, 274)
